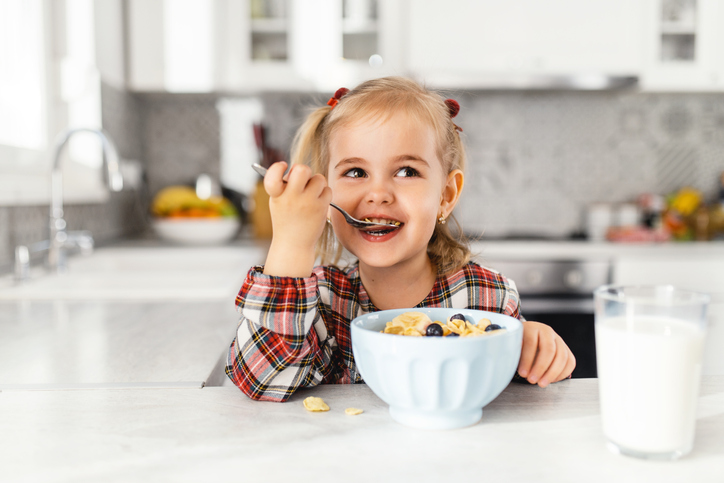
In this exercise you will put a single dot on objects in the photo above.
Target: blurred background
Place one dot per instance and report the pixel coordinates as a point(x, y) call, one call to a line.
point(596, 119)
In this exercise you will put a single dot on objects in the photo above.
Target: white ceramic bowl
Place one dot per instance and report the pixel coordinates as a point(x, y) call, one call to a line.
point(197, 231)
point(436, 382)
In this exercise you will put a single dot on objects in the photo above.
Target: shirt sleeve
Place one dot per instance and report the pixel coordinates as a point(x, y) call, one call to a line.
point(512, 300)
point(489, 290)
point(276, 349)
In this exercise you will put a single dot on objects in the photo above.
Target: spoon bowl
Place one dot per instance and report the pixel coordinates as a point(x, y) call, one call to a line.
point(349, 218)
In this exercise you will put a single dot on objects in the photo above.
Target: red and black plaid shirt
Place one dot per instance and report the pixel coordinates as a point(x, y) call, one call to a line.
point(294, 332)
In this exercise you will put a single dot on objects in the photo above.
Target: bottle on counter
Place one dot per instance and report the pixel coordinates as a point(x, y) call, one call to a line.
point(716, 214)
point(653, 207)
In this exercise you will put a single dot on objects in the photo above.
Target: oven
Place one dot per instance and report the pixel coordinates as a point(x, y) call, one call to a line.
point(559, 293)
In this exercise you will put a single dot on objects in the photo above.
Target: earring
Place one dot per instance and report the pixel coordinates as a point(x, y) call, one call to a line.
point(329, 220)
point(441, 220)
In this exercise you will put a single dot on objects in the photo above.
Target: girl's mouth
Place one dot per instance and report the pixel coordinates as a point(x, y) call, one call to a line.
point(379, 232)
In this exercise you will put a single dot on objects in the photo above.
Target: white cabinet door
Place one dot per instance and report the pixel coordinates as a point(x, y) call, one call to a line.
point(145, 45)
point(319, 45)
point(684, 46)
point(260, 45)
point(462, 37)
point(171, 45)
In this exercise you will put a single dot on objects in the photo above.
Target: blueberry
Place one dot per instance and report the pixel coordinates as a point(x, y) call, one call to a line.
point(434, 330)
point(453, 334)
point(492, 327)
point(457, 317)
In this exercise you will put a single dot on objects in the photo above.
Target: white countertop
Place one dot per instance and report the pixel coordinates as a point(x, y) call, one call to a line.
point(72, 344)
point(114, 390)
point(214, 434)
point(585, 250)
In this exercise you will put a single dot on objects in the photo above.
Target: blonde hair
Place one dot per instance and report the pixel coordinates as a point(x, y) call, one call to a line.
point(379, 99)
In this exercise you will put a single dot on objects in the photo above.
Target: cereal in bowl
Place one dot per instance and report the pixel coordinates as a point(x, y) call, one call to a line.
point(418, 324)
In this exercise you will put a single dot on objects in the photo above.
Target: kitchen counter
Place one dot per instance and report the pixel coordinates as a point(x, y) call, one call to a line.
point(75, 344)
point(214, 434)
point(120, 390)
point(584, 250)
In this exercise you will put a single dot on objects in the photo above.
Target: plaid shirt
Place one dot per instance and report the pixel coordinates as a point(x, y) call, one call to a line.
point(294, 332)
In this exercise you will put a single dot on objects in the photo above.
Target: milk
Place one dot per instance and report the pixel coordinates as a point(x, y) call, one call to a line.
point(649, 373)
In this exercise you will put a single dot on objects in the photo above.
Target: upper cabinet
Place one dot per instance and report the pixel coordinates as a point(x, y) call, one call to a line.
point(320, 45)
point(254, 45)
point(683, 45)
point(461, 43)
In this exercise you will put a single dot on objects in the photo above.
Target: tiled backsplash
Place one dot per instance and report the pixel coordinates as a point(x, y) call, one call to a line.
point(536, 159)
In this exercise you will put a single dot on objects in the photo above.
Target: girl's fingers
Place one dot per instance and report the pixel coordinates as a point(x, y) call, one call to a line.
point(326, 195)
point(298, 178)
point(544, 357)
point(530, 347)
point(273, 182)
point(316, 185)
point(559, 362)
point(568, 369)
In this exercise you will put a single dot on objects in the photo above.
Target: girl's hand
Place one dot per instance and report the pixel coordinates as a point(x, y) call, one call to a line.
point(298, 209)
point(545, 358)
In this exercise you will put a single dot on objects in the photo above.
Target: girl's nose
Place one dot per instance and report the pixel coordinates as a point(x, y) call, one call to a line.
point(380, 191)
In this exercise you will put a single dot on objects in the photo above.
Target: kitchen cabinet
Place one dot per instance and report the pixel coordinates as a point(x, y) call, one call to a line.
point(457, 43)
point(682, 44)
point(260, 45)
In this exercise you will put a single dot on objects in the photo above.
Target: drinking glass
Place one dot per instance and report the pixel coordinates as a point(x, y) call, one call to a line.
point(649, 347)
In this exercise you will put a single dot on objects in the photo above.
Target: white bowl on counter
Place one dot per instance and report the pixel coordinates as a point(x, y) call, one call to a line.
point(197, 231)
point(436, 382)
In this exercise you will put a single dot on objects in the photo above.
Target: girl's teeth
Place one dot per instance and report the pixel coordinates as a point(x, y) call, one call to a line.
point(383, 221)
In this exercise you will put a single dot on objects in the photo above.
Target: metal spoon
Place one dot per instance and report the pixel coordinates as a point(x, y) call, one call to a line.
point(350, 219)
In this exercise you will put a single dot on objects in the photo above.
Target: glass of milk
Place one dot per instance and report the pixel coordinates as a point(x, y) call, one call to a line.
point(649, 345)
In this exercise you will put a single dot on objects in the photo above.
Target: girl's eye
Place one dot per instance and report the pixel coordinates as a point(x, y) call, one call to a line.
point(355, 173)
point(407, 172)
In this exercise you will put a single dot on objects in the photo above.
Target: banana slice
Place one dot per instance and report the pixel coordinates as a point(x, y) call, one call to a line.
point(418, 320)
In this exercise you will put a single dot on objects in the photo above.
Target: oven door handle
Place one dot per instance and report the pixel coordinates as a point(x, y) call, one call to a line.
point(555, 305)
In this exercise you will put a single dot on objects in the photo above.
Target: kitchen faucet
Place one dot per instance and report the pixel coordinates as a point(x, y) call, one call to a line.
point(59, 239)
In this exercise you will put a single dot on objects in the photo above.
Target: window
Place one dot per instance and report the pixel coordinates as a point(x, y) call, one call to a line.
point(48, 47)
point(22, 86)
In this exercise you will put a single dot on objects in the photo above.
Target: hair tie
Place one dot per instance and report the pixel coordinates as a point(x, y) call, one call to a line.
point(453, 108)
point(334, 100)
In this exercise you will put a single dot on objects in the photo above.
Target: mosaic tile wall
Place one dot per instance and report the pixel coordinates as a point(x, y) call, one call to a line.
point(536, 159)
point(122, 216)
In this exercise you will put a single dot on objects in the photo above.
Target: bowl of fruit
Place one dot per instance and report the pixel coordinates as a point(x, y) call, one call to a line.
point(436, 367)
point(180, 216)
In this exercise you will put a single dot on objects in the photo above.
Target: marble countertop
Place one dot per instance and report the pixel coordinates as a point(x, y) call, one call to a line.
point(75, 344)
point(585, 250)
point(214, 433)
point(118, 390)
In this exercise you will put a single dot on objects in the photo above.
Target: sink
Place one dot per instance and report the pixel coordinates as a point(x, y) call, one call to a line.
point(142, 273)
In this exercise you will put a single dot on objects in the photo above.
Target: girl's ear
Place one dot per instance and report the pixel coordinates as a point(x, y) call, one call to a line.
point(451, 192)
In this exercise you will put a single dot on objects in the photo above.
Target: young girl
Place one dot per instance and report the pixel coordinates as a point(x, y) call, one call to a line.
point(387, 151)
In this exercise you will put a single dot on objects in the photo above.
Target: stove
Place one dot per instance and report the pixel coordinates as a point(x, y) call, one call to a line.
point(559, 293)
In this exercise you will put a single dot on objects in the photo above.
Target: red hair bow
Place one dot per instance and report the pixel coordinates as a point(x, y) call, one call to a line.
point(334, 100)
point(453, 108)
